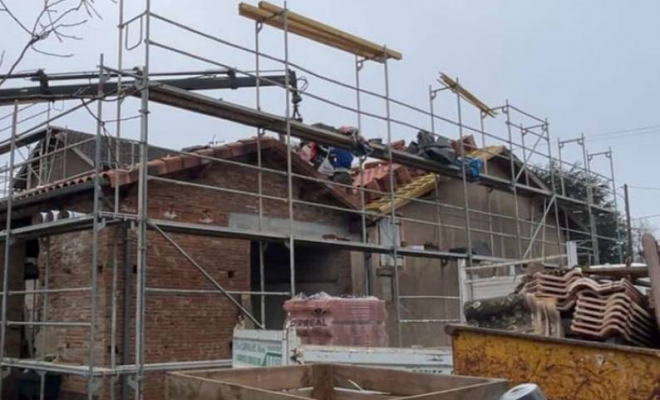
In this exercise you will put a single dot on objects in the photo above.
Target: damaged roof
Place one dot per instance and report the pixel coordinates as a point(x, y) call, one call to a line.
point(174, 162)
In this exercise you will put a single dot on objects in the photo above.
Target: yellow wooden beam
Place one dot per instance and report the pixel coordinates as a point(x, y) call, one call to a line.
point(271, 14)
point(465, 94)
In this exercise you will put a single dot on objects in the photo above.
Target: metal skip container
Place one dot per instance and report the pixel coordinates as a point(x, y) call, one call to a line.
point(565, 369)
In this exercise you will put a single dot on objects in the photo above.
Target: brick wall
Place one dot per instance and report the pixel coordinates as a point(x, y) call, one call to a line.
point(177, 327)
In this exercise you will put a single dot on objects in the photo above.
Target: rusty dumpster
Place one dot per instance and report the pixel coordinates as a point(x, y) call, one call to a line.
point(565, 369)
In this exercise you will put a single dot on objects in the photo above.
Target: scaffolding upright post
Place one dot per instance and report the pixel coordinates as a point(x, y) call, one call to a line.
point(395, 238)
point(514, 183)
point(143, 215)
point(359, 64)
point(258, 26)
point(120, 100)
point(432, 95)
point(590, 201)
point(8, 242)
point(44, 315)
point(289, 168)
point(616, 206)
point(95, 230)
point(553, 181)
point(466, 200)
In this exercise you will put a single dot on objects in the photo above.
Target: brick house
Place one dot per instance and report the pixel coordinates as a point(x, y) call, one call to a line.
point(185, 319)
point(179, 327)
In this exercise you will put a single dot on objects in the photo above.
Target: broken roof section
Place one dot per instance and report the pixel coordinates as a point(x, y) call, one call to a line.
point(411, 183)
point(59, 140)
point(166, 162)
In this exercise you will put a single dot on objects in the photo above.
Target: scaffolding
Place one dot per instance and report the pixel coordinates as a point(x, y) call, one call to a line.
point(114, 85)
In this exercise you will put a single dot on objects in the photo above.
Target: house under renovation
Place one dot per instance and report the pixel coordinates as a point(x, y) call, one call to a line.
point(123, 261)
point(187, 319)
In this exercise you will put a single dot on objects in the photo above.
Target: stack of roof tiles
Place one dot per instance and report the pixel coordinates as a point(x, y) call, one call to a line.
point(328, 320)
point(598, 310)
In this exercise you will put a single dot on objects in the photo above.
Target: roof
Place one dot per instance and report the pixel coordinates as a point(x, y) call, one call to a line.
point(423, 184)
point(170, 164)
point(128, 150)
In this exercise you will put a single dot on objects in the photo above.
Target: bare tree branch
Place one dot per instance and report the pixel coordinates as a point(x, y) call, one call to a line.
point(50, 21)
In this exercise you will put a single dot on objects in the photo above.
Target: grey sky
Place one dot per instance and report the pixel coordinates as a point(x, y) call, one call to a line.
point(588, 66)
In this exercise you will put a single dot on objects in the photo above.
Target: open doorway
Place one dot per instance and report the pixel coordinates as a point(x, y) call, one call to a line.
point(316, 270)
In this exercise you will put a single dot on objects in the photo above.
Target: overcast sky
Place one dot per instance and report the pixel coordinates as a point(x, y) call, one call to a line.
point(588, 66)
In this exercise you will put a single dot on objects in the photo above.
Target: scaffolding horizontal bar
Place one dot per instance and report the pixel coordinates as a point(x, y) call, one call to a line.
point(222, 231)
point(84, 370)
point(213, 291)
point(48, 323)
point(33, 94)
point(430, 297)
point(44, 291)
point(207, 105)
point(429, 321)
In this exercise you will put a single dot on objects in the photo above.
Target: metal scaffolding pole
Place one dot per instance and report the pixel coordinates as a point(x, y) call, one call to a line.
point(143, 215)
point(466, 199)
point(393, 219)
point(258, 26)
point(367, 260)
point(8, 243)
point(616, 207)
point(590, 202)
point(514, 183)
point(44, 243)
point(95, 233)
point(289, 168)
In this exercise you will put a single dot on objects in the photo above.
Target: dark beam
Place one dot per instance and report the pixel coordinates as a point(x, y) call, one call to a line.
point(33, 94)
point(206, 105)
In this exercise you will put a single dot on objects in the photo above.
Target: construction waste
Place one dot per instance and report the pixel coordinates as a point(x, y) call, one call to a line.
point(567, 303)
point(322, 319)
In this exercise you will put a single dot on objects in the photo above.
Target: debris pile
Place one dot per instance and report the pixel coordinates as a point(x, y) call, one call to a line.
point(597, 310)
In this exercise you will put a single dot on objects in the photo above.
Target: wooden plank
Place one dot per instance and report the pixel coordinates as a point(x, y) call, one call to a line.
point(350, 38)
point(268, 378)
point(270, 19)
point(269, 14)
point(323, 382)
point(465, 94)
point(186, 387)
point(396, 382)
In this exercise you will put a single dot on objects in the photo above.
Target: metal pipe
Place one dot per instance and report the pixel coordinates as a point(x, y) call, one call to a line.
point(616, 206)
point(260, 132)
point(393, 221)
point(215, 292)
point(126, 323)
point(289, 167)
point(514, 183)
point(143, 216)
point(95, 233)
point(44, 314)
point(206, 274)
point(8, 242)
point(590, 201)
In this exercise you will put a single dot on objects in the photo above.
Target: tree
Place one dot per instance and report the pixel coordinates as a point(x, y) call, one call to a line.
point(639, 228)
point(611, 225)
point(54, 20)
